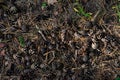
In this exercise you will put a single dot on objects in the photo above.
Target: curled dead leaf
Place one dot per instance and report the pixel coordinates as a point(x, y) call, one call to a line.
point(2, 53)
point(51, 1)
point(2, 45)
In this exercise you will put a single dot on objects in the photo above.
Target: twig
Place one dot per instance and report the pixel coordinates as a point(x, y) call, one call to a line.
point(96, 18)
point(47, 53)
point(52, 58)
point(39, 31)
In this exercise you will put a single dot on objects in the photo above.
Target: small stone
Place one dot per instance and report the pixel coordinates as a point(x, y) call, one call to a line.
point(83, 66)
point(85, 58)
point(33, 66)
point(94, 45)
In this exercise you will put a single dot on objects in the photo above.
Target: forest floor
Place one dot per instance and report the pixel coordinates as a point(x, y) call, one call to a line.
point(59, 40)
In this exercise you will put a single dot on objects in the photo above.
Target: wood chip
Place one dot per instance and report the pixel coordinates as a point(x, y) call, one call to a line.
point(51, 1)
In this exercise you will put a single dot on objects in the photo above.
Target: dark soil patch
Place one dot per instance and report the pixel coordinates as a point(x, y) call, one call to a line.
point(59, 40)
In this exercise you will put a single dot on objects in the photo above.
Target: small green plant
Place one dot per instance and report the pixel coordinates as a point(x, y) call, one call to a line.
point(118, 78)
point(44, 4)
point(80, 10)
point(118, 11)
point(21, 40)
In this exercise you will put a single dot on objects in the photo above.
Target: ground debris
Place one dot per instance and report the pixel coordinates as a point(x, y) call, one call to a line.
point(59, 40)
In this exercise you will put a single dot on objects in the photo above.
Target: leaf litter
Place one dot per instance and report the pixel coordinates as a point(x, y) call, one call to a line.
point(59, 40)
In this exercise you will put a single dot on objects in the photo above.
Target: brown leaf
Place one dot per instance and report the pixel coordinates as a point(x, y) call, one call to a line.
point(2, 53)
point(52, 1)
point(2, 45)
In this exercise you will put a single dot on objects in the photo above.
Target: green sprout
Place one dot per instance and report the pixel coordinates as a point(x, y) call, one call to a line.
point(118, 78)
point(118, 11)
point(79, 9)
point(44, 4)
point(21, 40)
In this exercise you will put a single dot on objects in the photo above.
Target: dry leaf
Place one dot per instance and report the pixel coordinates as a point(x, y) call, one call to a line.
point(2, 45)
point(51, 1)
point(2, 53)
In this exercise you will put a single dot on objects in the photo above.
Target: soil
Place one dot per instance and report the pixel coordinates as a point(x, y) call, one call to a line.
point(59, 40)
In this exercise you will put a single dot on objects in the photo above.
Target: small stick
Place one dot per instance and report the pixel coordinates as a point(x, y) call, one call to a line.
point(52, 58)
point(39, 31)
point(47, 53)
point(96, 18)
point(117, 68)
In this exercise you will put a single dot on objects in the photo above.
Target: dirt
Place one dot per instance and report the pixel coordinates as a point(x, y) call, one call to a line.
point(59, 40)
